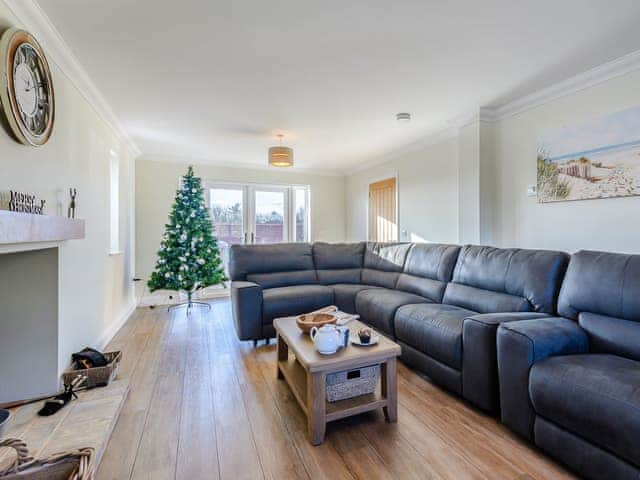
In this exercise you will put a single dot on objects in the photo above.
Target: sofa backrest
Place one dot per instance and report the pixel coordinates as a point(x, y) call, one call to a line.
point(602, 292)
point(383, 263)
point(492, 280)
point(427, 269)
point(274, 265)
point(338, 262)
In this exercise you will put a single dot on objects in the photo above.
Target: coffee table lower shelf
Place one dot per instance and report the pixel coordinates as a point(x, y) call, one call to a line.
point(296, 378)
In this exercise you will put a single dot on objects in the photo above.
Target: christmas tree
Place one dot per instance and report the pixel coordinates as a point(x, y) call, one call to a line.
point(189, 258)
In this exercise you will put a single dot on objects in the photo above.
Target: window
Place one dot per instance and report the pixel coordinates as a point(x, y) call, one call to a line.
point(114, 203)
point(301, 214)
point(227, 216)
point(253, 213)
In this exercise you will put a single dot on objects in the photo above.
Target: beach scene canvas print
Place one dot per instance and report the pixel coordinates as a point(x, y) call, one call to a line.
point(597, 159)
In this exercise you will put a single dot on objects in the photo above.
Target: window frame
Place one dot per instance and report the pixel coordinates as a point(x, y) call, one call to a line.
point(249, 189)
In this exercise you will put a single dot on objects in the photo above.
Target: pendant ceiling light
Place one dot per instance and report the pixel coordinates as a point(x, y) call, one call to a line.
point(281, 156)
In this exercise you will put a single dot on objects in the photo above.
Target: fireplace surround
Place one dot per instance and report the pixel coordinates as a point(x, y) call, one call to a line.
point(31, 319)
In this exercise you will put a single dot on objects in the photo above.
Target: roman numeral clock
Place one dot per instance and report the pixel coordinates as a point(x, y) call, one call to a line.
point(26, 89)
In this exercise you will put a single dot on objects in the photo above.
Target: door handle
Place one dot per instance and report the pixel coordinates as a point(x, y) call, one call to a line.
point(245, 238)
point(253, 237)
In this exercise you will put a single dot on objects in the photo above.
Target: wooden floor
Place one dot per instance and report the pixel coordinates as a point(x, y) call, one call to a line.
point(203, 405)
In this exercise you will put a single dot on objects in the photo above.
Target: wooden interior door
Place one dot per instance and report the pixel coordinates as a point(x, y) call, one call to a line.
point(383, 212)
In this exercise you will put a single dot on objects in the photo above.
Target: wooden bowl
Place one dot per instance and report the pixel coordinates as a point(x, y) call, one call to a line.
point(308, 321)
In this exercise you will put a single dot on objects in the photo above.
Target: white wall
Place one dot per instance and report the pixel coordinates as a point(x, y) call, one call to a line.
point(97, 288)
point(472, 188)
point(605, 224)
point(469, 183)
point(427, 191)
point(156, 183)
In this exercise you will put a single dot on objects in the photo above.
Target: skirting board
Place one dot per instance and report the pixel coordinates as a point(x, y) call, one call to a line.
point(110, 332)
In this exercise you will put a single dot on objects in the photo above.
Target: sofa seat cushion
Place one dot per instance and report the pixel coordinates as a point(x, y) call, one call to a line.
point(595, 396)
point(433, 329)
point(378, 306)
point(344, 295)
point(294, 300)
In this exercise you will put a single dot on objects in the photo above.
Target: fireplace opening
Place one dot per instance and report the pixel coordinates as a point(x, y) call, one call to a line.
point(28, 325)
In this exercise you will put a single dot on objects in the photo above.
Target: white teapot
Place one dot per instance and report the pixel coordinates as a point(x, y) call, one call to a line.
point(327, 339)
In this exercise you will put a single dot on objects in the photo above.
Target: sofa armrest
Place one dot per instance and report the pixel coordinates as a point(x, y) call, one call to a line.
point(246, 304)
point(479, 358)
point(520, 345)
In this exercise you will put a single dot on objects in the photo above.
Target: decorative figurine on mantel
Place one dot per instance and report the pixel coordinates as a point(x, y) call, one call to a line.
point(25, 203)
point(71, 213)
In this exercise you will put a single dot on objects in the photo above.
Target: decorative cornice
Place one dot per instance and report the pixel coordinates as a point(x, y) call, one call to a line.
point(432, 138)
point(35, 20)
point(207, 162)
point(595, 76)
point(600, 74)
point(482, 114)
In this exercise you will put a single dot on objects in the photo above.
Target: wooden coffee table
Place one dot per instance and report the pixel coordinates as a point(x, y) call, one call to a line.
point(305, 371)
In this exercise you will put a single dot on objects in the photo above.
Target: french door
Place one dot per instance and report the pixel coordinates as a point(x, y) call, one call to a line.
point(258, 214)
point(269, 218)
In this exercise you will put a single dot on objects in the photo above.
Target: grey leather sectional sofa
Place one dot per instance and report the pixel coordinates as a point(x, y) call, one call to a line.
point(550, 341)
point(442, 303)
point(571, 383)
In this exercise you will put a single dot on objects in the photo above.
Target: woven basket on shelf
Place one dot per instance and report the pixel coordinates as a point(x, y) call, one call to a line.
point(95, 376)
point(352, 383)
point(70, 465)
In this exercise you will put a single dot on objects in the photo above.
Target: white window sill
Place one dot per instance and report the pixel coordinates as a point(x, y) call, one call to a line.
point(115, 253)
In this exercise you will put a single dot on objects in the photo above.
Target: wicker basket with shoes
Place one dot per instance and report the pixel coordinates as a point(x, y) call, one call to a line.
point(69, 465)
point(96, 376)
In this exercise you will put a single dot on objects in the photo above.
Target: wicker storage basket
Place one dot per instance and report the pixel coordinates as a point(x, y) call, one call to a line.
point(95, 376)
point(71, 465)
point(352, 383)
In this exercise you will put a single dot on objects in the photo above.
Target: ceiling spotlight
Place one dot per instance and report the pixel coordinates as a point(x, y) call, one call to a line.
point(403, 117)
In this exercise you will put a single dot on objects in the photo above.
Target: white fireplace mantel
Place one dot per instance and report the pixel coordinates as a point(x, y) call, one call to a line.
point(34, 323)
point(27, 231)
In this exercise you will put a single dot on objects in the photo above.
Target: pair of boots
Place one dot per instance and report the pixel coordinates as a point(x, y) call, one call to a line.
point(87, 358)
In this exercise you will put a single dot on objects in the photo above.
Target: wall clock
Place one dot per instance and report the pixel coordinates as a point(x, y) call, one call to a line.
point(26, 89)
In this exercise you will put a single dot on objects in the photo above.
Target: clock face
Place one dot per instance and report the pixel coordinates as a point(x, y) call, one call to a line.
point(27, 91)
point(24, 87)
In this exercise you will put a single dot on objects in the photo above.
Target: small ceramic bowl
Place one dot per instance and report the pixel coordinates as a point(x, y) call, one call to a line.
point(4, 419)
point(308, 321)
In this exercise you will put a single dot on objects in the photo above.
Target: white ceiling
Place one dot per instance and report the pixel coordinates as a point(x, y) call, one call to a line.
point(216, 80)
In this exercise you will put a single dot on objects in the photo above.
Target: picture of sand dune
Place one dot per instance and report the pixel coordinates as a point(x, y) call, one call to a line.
point(598, 159)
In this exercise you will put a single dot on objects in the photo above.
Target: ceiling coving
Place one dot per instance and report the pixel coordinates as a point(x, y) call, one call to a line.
point(203, 81)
